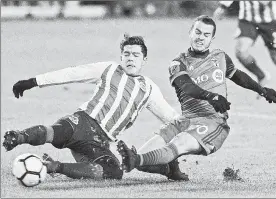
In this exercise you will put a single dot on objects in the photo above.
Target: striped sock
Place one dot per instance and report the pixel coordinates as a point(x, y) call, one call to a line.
point(163, 155)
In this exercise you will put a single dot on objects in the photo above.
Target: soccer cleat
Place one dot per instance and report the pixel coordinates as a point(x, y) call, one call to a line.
point(51, 164)
point(129, 156)
point(175, 174)
point(11, 139)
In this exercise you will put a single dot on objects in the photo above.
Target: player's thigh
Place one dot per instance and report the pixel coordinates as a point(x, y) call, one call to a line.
point(169, 131)
point(210, 134)
point(185, 144)
point(246, 35)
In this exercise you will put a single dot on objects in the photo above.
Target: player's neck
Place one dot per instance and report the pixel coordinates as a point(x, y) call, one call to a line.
point(195, 53)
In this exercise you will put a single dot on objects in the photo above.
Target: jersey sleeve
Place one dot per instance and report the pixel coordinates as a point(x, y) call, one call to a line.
point(160, 107)
point(230, 67)
point(83, 73)
point(176, 69)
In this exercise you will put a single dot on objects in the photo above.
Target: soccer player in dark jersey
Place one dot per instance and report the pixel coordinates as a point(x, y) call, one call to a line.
point(255, 18)
point(121, 93)
point(199, 79)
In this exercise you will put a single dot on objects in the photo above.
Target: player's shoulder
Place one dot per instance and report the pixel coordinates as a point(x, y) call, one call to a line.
point(217, 51)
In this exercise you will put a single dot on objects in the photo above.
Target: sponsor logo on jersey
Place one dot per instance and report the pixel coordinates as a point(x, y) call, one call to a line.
point(199, 79)
point(218, 75)
point(174, 67)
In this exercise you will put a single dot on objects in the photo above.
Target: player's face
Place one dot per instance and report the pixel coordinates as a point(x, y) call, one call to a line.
point(201, 36)
point(133, 59)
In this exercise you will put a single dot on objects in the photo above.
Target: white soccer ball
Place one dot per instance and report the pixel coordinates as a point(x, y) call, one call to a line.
point(29, 169)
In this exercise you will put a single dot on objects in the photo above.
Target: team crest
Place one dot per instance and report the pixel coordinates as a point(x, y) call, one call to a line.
point(74, 119)
point(174, 68)
point(142, 86)
point(218, 75)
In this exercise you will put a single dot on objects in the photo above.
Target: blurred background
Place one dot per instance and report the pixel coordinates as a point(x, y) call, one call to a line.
point(107, 9)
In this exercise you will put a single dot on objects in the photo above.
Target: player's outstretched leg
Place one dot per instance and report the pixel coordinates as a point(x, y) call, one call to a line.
point(78, 170)
point(35, 135)
point(130, 158)
point(170, 170)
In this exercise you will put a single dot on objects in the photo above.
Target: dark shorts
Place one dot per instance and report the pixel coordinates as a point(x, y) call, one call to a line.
point(88, 143)
point(253, 30)
point(209, 132)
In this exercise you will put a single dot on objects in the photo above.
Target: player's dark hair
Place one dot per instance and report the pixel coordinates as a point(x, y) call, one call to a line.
point(134, 40)
point(207, 20)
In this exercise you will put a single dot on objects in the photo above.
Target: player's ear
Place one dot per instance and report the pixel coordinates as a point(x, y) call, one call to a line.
point(145, 58)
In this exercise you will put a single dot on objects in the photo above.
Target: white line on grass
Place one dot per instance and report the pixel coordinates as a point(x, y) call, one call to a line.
point(253, 115)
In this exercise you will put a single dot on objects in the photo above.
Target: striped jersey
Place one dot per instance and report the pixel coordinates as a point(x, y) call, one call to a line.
point(117, 99)
point(255, 11)
point(208, 70)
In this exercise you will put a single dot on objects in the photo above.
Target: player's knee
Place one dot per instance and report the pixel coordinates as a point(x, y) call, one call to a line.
point(186, 143)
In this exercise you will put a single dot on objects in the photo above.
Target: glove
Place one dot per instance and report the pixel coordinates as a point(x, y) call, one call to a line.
point(219, 102)
point(269, 95)
point(22, 85)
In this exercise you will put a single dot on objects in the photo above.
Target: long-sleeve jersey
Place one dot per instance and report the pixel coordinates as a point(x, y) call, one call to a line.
point(117, 99)
point(255, 11)
point(208, 70)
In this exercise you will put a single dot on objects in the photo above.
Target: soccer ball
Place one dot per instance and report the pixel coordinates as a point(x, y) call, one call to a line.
point(29, 169)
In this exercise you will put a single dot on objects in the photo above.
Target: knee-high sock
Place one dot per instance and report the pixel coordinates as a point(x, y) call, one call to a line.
point(251, 65)
point(81, 170)
point(163, 155)
point(35, 135)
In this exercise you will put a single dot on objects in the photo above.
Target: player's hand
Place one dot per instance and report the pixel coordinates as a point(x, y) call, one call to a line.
point(22, 85)
point(269, 95)
point(219, 103)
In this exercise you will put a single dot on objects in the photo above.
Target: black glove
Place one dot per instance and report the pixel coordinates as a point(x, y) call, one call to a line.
point(269, 95)
point(219, 102)
point(22, 85)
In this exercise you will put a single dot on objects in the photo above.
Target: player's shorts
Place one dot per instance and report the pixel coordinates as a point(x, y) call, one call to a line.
point(209, 132)
point(88, 143)
point(253, 30)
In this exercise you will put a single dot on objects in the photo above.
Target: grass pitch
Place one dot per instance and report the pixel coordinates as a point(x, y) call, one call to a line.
point(33, 47)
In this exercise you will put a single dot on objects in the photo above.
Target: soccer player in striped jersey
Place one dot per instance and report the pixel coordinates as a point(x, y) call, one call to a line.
point(121, 93)
point(199, 78)
point(255, 18)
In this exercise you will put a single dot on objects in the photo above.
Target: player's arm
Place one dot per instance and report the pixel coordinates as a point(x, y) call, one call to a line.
point(242, 79)
point(222, 9)
point(182, 82)
point(187, 86)
point(83, 73)
point(160, 107)
point(245, 81)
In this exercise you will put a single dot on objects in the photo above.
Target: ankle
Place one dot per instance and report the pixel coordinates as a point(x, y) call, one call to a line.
point(138, 160)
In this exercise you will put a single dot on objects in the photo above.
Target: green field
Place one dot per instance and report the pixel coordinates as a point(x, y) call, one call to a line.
point(29, 48)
